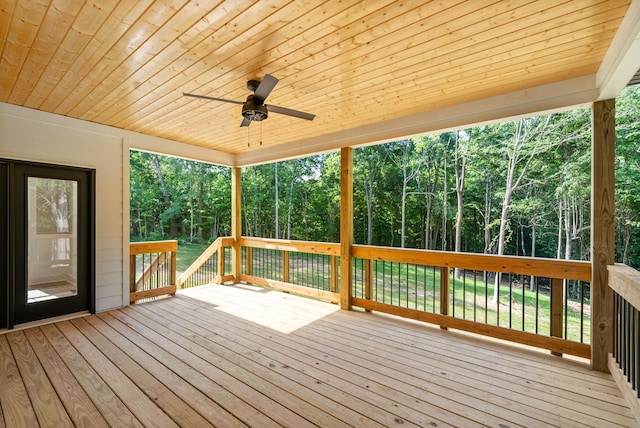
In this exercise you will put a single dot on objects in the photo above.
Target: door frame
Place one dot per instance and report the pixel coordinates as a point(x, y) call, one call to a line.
point(17, 237)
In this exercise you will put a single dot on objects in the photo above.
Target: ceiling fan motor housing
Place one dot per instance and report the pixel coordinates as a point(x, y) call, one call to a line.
point(254, 110)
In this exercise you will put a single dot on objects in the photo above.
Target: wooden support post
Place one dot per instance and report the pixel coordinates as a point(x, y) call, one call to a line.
point(368, 279)
point(333, 286)
point(444, 292)
point(346, 226)
point(557, 304)
point(603, 146)
point(236, 222)
point(285, 266)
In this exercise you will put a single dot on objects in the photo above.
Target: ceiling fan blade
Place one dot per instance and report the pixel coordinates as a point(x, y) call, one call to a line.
point(204, 97)
point(245, 122)
point(265, 87)
point(290, 112)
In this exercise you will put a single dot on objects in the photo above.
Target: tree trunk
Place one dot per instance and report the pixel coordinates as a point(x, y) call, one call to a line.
point(368, 192)
point(460, 170)
point(200, 228)
point(173, 227)
point(533, 252)
point(405, 159)
point(444, 207)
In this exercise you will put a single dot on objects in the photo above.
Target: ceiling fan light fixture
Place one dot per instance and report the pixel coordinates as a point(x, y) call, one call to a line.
point(253, 111)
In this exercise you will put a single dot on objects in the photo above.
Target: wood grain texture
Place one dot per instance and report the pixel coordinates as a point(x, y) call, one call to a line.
point(46, 404)
point(126, 64)
point(13, 394)
point(346, 226)
point(603, 148)
point(547, 268)
point(626, 388)
point(237, 357)
point(236, 221)
point(327, 248)
point(625, 281)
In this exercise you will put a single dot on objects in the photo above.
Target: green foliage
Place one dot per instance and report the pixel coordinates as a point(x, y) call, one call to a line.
point(552, 201)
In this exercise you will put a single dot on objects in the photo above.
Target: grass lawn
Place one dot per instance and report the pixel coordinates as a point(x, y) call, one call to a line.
point(187, 254)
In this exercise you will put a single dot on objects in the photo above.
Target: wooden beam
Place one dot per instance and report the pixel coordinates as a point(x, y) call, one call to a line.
point(236, 221)
point(346, 226)
point(603, 147)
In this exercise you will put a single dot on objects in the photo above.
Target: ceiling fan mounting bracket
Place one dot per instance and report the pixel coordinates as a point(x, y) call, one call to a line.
point(253, 84)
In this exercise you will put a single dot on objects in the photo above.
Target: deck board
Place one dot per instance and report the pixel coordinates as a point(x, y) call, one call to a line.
point(244, 356)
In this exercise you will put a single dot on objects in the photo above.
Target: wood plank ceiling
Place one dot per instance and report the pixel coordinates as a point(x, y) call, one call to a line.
point(351, 63)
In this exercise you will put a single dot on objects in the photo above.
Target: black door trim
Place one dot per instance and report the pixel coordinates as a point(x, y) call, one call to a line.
point(18, 312)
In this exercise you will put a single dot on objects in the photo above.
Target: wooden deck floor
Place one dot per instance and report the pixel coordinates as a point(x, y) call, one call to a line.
point(236, 356)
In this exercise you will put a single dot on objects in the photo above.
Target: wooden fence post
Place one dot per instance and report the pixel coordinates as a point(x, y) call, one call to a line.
point(333, 286)
point(220, 264)
point(557, 303)
point(285, 266)
point(132, 273)
point(444, 292)
point(172, 273)
point(368, 279)
point(248, 263)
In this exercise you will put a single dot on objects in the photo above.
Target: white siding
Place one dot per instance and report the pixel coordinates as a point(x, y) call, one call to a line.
point(27, 134)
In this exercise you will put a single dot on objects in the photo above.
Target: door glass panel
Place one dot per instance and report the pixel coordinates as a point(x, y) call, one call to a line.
point(52, 233)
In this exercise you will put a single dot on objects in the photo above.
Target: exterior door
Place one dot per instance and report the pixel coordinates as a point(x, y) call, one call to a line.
point(4, 245)
point(51, 241)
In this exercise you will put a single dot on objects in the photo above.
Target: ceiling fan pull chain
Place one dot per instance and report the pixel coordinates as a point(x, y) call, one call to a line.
point(260, 132)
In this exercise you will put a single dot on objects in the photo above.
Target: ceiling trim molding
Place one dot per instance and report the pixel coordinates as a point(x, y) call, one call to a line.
point(553, 97)
point(137, 141)
point(622, 60)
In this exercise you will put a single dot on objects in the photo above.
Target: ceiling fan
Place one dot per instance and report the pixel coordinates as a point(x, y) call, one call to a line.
point(254, 109)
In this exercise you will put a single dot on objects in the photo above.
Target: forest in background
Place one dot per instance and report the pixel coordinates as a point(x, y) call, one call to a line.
point(518, 187)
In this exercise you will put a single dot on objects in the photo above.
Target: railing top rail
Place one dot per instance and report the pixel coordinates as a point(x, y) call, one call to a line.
point(548, 268)
point(152, 247)
point(223, 241)
point(625, 281)
point(328, 248)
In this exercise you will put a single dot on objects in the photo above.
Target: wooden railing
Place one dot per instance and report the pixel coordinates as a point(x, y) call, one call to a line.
point(152, 269)
point(209, 267)
point(624, 363)
point(305, 268)
point(541, 302)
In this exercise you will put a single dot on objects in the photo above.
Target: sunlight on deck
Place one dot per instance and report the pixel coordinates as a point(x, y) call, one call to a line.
point(283, 325)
